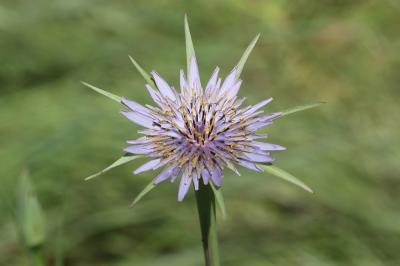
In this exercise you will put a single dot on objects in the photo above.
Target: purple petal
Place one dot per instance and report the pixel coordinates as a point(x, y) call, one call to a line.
point(256, 125)
point(206, 176)
point(134, 106)
point(268, 146)
point(258, 106)
point(142, 140)
point(184, 186)
point(154, 95)
point(232, 92)
point(213, 80)
point(193, 75)
point(136, 149)
point(147, 166)
point(164, 175)
point(182, 81)
point(258, 158)
point(229, 81)
point(216, 176)
point(139, 119)
point(249, 165)
point(270, 116)
point(195, 182)
point(163, 86)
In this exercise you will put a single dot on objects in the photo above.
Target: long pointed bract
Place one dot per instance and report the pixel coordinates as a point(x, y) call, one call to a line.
point(143, 73)
point(219, 197)
point(245, 55)
point(103, 92)
point(146, 190)
point(122, 160)
point(300, 108)
point(189, 44)
point(276, 171)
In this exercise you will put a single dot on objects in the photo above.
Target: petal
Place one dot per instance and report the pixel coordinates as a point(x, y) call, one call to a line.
point(164, 175)
point(256, 125)
point(136, 149)
point(206, 176)
point(229, 81)
point(271, 116)
point(154, 95)
point(139, 119)
point(163, 86)
point(175, 173)
point(232, 92)
point(216, 176)
point(258, 106)
point(184, 186)
point(134, 106)
point(142, 140)
point(268, 146)
point(195, 182)
point(147, 166)
point(213, 80)
point(249, 165)
point(258, 158)
point(193, 76)
point(182, 81)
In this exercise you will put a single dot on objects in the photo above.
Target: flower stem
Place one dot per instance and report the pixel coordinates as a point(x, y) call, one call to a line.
point(37, 258)
point(208, 223)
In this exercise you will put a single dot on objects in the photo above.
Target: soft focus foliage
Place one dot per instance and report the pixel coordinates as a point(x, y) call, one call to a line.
point(342, 52)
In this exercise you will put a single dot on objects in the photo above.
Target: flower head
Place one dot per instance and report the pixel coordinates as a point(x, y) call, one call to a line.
point(197, 132)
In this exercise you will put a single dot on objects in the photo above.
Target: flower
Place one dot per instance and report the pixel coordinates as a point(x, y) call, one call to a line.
point(197, 132)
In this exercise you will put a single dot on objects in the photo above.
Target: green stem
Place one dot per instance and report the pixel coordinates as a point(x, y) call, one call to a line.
point(37, 258)
point(208, 224)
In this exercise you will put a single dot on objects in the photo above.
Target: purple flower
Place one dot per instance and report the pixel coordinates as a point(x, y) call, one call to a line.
point(197, 132)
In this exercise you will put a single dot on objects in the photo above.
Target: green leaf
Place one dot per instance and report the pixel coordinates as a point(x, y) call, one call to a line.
point(276, 171)
point(143, 193)
point(220, 199)
point(189, 44)
point(300, 108)
point(103, 92)
point(243, 59)
point(124, 159)
point(142, 72)
point(30, 216)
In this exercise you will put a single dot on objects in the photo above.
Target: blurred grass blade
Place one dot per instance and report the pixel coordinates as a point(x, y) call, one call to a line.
point(189, 44)
point(245, 55)
point(300, 108)
point(143, 193)
point(142, 72)
point(124, 159)
point(276, 171)
point(220, 199)
point(103, 92)
point(30, 216)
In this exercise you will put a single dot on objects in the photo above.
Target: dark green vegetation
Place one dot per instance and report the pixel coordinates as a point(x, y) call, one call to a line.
point(344, 52)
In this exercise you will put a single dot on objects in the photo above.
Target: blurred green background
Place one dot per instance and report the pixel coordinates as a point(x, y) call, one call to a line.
point(344, 52)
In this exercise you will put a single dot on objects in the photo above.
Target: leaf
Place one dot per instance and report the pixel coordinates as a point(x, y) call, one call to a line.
point(143, 193)
point(142, 72)
point(276, 171)
point(124, 159)
point(243, 59)
point(220, 199)
point(300, 108)
point(189, 44)
point(30, 216)
point(103, 92)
